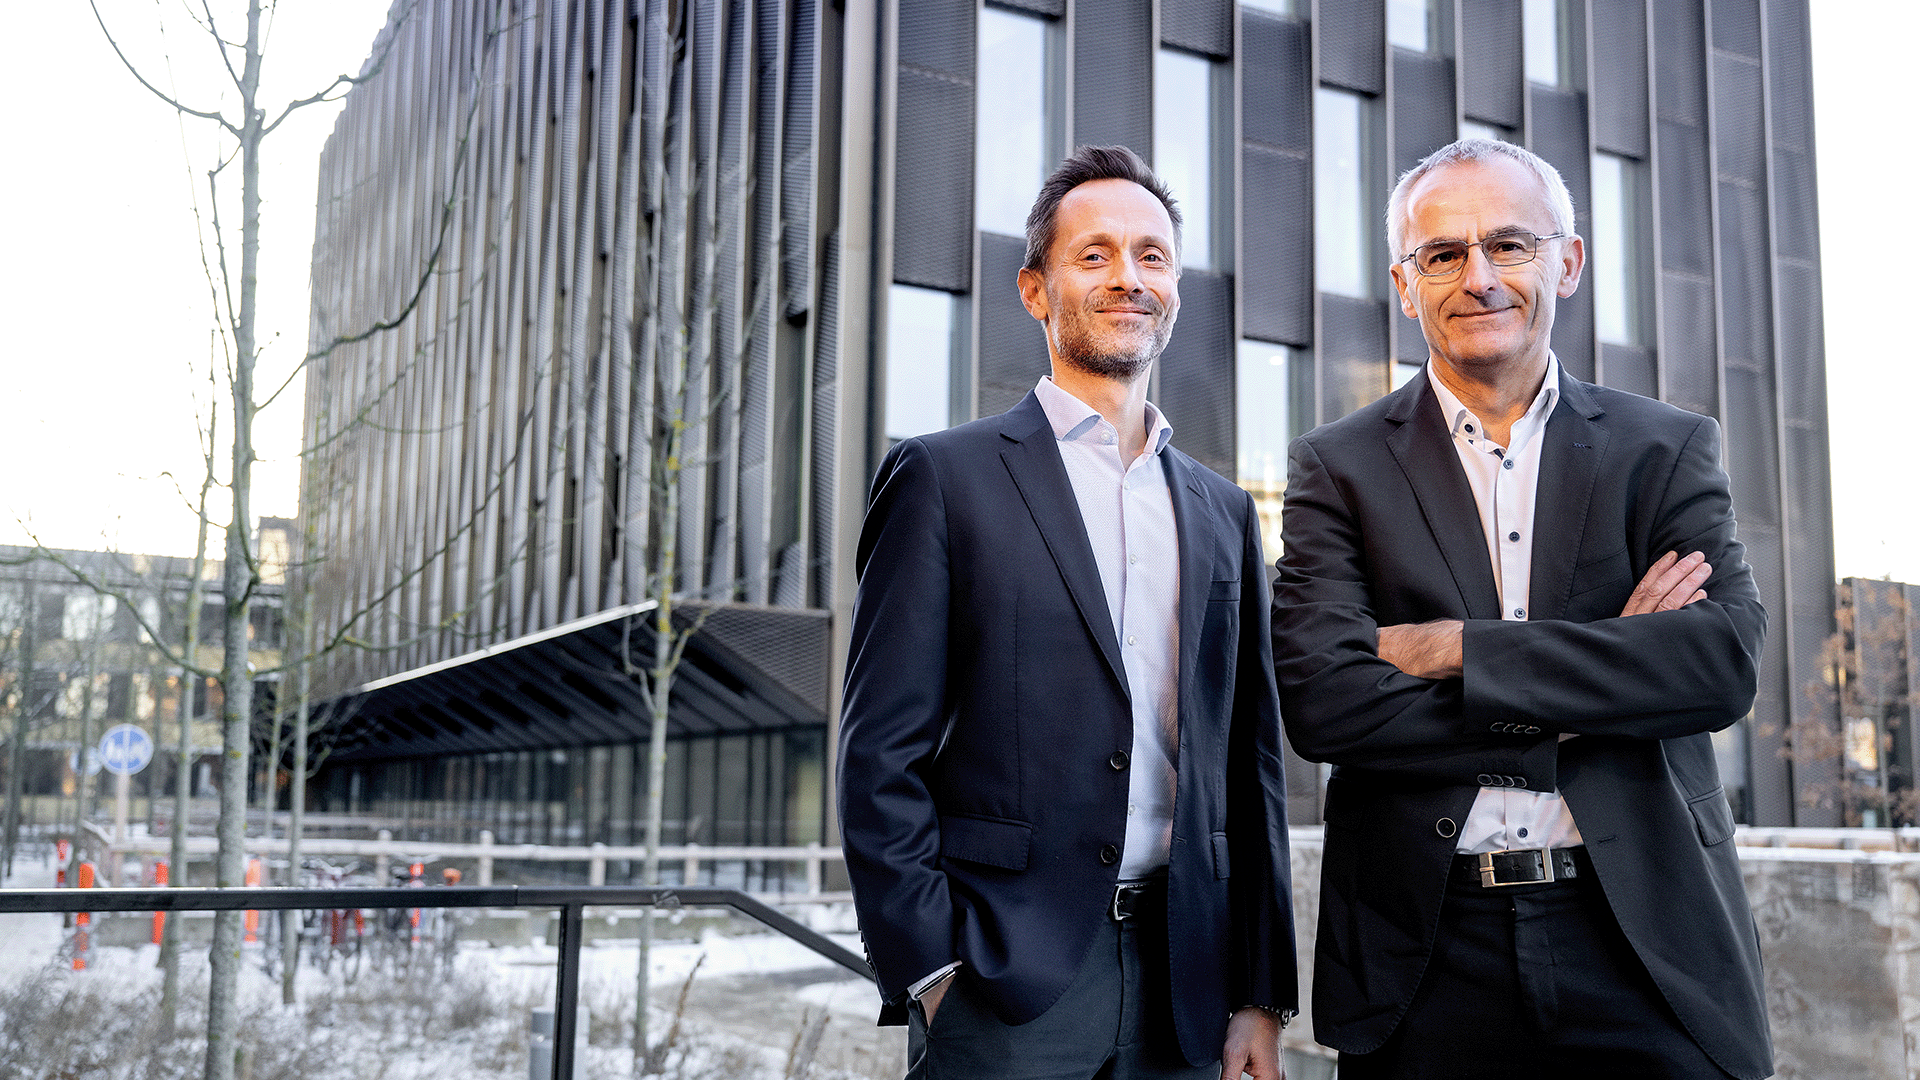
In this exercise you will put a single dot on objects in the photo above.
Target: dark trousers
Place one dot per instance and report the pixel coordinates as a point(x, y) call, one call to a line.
point(1115, 1022)
point(1533, 981)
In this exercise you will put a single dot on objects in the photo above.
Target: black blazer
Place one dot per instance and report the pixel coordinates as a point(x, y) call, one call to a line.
point(983, 783)
point(1380, 529)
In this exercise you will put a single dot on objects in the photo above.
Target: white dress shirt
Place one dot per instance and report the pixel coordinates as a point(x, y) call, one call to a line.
point(1505, 480)
point(1128, 513)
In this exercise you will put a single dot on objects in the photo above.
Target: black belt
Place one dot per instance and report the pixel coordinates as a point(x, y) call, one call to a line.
point(1519, 866)
point(1129, 895)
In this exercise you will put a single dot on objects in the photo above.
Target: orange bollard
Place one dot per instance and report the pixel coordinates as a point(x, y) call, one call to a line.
point(81, 941)
point(413, 916)
point(159, 917)
point(253, 917)
point(61, 850)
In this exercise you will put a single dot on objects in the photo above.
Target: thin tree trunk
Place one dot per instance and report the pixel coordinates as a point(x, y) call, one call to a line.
point(297, 783)
point(236, 681)
point(191, 683)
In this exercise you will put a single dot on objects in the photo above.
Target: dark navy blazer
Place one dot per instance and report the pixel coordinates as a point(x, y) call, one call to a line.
point(1380, 529)
point(982, 780)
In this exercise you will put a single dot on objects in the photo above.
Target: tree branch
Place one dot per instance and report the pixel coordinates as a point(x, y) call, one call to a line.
point(169, 99)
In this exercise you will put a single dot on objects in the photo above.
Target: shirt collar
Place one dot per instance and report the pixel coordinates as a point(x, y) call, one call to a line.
point(1073, 420)
point(1462, 424)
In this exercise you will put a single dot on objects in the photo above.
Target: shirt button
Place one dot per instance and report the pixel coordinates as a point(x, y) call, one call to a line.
point(1513, 536)
point(1469, 427)
point(1523, 834)
point(1507, 464)
point(1130, 809)
point(1132, 640)
point(1519, 613)
point(1118, 760)
point(1109, 855)
point(1131, 559)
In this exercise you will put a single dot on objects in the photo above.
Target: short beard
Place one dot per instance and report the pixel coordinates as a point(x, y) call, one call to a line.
point(1077, 349)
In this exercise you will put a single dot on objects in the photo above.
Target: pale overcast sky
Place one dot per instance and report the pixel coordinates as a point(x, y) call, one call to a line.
point(107, 308)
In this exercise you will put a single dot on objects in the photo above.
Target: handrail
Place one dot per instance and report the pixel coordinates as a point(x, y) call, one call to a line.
point(571, 900)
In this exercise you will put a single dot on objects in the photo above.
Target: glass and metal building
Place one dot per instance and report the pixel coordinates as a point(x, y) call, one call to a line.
point(827, 201)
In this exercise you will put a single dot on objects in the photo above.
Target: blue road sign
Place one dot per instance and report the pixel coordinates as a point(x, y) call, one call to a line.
point(125, 749)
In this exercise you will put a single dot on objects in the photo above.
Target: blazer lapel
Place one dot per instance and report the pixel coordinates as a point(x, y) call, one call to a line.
point(1571, 449)
point(1194, 523)
point(1033, 460)
point(1421, 446)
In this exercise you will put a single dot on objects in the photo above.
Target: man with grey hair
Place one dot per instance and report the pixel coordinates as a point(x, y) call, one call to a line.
point(1511, 611)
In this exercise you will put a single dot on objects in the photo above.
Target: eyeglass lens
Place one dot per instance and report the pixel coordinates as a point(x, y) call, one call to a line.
point(1444, 257)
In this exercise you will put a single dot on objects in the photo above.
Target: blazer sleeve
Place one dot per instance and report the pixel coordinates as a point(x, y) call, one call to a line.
point(1257, 790)
point(1655, 676)
point(1341, 702)
point(892, 715)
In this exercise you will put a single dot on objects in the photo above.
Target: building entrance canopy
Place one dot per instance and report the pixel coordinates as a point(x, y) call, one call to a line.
point(748, 668)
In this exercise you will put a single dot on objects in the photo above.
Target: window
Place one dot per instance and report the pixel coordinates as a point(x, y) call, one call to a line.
point(1011, 142)
point(1410, 24)
point(1615, 256)
point(1183, 118)
point(1263, 408)
point(1343, 214)
point(1278, 7)
point(1403, 372)
point(1543, 42)
point(919, 361)
point(1474, 129)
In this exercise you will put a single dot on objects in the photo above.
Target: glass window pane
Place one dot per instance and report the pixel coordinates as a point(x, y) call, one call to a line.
point(1540, 20)
point(1403, 371)
point(1408, 24)
point(1263, 428)
point(1010, 135)
point(919, 361)
point(1474, 129)
point(1342, 217)
point(1614, 253)
point(1280, 7)
point(1183, 147)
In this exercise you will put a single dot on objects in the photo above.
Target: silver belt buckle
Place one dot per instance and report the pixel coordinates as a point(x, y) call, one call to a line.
point(1488, 875)
point(1124, 889)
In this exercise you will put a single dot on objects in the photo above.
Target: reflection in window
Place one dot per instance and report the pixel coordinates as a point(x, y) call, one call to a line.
point(1403, 372)
point(919, 361)
point(1342, 211)
point(1410, 24)
point(1279, 7)
point(1010, 133)
point(1263, 411)
point(1614, 255)
point(1474, 129)
point(1183, 147)
point(1540, 21)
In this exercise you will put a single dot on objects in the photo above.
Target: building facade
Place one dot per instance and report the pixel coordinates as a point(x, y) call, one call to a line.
point(789, 232)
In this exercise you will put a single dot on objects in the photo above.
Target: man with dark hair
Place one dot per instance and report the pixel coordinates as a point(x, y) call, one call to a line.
point(1060, 780)
point(1511, 611)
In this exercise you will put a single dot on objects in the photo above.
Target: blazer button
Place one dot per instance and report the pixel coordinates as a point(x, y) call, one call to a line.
point(1118, 760)
point(1445, 827)
point(1109, 855)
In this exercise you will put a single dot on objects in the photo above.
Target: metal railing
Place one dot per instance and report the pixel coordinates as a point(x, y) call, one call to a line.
point(571, 902)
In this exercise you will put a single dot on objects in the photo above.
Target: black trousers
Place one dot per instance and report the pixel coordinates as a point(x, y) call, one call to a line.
point(1534, 981)
point(1114, 1023)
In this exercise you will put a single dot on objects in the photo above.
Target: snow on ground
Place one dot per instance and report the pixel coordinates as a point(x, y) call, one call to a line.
point(753, 997)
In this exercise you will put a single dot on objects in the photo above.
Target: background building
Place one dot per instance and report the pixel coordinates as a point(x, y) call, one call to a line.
point(828, 198)
point(76, 660)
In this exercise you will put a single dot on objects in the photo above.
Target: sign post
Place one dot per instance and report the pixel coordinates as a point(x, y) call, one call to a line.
point(124, 750)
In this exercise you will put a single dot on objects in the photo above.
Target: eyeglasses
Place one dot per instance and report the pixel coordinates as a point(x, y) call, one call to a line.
point(1445, 258)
